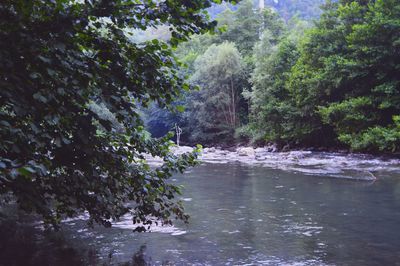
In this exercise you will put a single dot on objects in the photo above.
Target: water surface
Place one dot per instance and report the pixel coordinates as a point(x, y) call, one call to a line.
point(252, 215)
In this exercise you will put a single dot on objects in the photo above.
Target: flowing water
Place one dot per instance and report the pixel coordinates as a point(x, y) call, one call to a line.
point(253, 215)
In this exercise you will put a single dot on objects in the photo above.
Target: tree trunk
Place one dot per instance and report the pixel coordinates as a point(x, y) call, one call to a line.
point(233, 104)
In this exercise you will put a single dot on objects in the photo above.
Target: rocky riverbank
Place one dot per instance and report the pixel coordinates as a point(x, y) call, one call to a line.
point(340, 165)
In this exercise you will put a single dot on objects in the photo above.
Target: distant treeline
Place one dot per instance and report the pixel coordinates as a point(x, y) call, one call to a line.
point(265, 77)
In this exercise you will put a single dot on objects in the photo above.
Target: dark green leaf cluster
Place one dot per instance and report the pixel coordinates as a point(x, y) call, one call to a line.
point(71, 83)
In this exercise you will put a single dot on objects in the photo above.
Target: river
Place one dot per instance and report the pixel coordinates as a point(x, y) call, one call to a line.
point(253, 215)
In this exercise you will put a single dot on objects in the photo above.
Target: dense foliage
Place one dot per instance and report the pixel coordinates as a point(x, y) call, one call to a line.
point(330, 83)
point(72, 82)
point(363, 92)
point(272, 115)
point(345, 81)
point(218, 72)
point(240, 30)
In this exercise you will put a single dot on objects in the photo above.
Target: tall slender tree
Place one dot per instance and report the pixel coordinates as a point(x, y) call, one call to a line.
point(216, 107)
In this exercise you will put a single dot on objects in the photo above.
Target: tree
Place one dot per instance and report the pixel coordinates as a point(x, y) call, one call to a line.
point(371, 102)
point(214, 109)
point(274, 116)
point(71, 83)
point(346, 77)
point(245, 25)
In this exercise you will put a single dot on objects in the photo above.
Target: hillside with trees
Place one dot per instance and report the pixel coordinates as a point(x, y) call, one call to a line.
point(342, 83)
point(293, 80)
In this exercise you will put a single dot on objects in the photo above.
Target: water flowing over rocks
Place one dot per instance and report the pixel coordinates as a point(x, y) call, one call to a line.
point(339, 165)
point(245, 151)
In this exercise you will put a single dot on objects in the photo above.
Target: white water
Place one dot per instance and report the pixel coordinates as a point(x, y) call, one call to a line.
point(338, 165)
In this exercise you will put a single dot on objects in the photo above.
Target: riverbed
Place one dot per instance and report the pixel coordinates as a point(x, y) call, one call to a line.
point(256, 214)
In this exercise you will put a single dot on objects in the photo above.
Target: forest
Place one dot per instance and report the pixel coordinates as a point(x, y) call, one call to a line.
point(325, 76)
point(201, 132)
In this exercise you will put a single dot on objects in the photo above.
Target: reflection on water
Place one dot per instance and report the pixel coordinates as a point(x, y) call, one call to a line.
point(243, 215)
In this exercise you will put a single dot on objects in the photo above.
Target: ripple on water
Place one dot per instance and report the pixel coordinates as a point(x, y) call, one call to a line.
point(300, 229)
point(261, 259)
point(186, 199)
